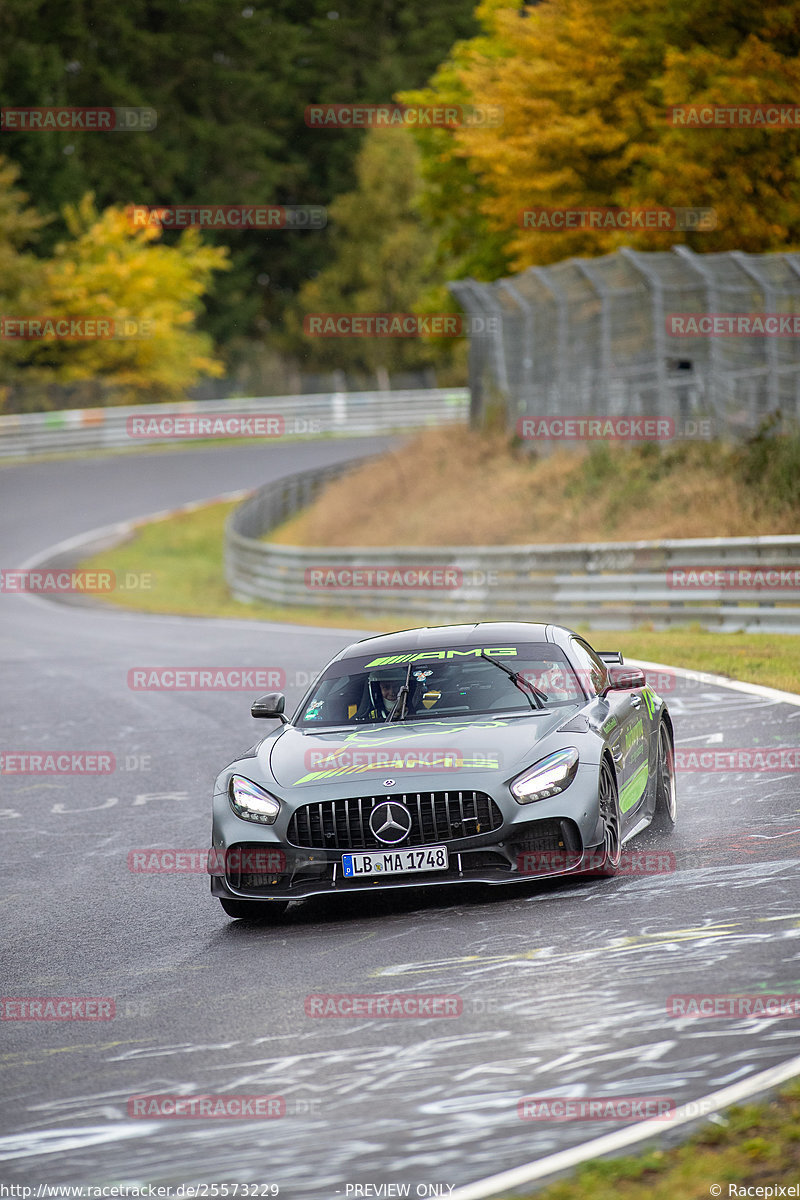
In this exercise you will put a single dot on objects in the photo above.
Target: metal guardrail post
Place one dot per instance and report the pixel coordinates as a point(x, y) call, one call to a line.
point(476, 299)
point(601, 288)
point(563, 319)
point(771, 306)
point(692, 261)
point(527, 345)
point(639, 264)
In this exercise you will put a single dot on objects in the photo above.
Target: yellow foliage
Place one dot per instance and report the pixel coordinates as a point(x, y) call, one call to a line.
point(144, 288)
point(585, 87)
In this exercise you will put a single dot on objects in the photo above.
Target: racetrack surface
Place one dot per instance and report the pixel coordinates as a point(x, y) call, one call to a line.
point(563, 984)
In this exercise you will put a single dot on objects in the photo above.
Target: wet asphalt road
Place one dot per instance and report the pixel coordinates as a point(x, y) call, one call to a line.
point(563, 985)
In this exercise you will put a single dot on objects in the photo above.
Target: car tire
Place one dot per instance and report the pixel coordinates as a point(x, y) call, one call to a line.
point(665, 810)
point(611, 849)
point(254, 910)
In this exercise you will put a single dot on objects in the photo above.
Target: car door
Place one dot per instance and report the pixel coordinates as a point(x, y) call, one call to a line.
point(625, 727)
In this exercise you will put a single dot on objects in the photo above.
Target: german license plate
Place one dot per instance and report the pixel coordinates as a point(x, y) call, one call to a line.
point(395, 862)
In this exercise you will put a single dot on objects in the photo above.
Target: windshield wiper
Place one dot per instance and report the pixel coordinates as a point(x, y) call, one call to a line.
point(530, 692)
point(402, 699)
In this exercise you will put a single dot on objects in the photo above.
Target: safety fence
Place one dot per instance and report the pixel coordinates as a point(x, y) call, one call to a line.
point(609, 336)
point(343, 414)
point(720, 583)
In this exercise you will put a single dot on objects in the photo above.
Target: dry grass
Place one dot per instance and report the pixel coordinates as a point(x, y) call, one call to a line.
point(458, 487)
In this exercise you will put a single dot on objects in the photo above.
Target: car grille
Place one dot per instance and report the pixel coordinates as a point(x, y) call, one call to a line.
point(435, 817)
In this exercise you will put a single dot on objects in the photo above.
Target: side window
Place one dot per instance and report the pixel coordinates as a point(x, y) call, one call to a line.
point(591, 670)
point(555, 678)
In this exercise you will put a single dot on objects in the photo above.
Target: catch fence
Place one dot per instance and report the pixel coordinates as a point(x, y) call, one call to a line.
point(597, 337)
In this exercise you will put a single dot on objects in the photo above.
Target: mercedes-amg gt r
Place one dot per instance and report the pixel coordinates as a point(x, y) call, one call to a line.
point(488, 753)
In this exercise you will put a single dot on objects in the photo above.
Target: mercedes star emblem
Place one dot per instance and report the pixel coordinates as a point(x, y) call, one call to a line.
point(390, 822)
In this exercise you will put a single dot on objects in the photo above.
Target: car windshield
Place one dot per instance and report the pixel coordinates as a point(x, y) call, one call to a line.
point(454, 682)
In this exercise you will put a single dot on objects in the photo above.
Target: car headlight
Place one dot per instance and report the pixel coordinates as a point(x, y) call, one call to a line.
point(251, 802)
point(546, 778)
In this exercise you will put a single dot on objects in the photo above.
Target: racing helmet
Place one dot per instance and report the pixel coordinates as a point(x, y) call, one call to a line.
point(373, 693)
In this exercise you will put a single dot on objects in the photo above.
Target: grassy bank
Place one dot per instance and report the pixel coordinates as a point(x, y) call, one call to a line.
point(754, 1145)
point(457, 487)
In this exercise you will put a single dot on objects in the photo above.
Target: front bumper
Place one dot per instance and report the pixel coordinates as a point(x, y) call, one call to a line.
point(544, 839)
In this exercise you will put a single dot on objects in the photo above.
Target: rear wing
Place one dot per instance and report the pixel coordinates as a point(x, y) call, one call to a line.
point(610, 656)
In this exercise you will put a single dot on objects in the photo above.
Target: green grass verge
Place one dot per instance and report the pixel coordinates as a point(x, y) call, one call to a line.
point(184, 555)
point(751, 1146)
point(771, 659)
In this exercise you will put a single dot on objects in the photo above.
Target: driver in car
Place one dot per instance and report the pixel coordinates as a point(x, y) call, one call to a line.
point(381, 693)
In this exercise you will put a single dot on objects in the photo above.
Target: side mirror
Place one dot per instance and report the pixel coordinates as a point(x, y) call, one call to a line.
point(270, 705)
point(625, 679)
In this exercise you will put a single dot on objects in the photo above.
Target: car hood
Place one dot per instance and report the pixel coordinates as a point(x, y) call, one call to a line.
point(429, 753)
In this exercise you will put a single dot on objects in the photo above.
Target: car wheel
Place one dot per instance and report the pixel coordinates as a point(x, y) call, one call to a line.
point(253, 910)
point(609, 812)
point(666, 792)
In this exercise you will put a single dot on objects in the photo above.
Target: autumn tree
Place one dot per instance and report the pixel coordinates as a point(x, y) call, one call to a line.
point(585, 86)
point(381, 260)
point(149, 294)
point(230, 84)
point(20, 271)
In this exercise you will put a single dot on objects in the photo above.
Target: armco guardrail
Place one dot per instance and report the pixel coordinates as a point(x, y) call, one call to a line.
point(348, 414)
point(610, 585)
